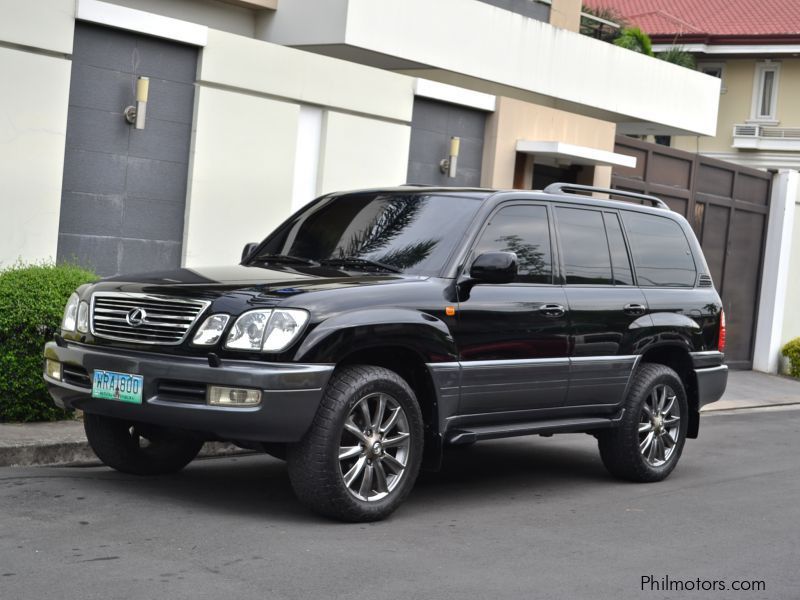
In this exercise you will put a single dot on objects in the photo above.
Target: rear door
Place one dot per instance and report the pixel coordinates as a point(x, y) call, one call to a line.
point(607, 311)
point(512, 337)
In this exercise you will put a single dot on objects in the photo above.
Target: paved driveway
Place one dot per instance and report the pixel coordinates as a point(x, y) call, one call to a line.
point(524, 519)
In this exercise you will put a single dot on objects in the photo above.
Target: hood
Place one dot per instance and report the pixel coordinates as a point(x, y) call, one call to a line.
point(259, 285)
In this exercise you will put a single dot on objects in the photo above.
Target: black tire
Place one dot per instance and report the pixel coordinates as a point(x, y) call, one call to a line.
point(621, 447)
point(138, 448)
point(315, 469)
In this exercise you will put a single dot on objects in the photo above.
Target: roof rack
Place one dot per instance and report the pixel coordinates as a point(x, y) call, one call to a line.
point(562, 188)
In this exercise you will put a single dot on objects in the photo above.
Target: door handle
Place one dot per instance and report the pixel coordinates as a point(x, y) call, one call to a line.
point(552, 310)
point(634, 309)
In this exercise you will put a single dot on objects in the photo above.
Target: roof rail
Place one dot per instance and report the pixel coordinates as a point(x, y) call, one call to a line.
point(562, 188)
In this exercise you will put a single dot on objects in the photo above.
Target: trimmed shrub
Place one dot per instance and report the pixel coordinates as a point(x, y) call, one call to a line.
point(32, 300)
point(792, 351)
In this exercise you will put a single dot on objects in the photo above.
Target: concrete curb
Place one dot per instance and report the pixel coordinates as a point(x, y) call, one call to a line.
point(79, 453)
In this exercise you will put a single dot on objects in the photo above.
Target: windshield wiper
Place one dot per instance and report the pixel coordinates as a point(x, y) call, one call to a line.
point(284, 258)
point(354, 261)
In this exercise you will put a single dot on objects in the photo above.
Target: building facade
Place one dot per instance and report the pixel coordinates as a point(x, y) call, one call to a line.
point(254, 107)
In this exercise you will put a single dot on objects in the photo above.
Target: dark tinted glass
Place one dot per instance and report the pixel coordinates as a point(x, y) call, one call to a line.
point(584, 246)
point(523, 230)
point(620, 263)
point(413, 233)
point(660, 251)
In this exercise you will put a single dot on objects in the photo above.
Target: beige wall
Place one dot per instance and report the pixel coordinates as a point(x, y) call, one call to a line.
point(566, 14)
point(33, 124)
point(515, 120)
point(735, 103)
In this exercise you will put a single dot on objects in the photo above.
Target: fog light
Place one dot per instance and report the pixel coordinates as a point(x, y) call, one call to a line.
point(53, 369)
point(227, 396)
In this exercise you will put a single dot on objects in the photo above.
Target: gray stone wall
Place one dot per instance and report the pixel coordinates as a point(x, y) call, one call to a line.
point(124, 190)
point(433, 124)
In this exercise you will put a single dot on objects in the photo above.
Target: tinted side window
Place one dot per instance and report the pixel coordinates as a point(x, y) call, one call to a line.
point(620, 263)
point(584, 246)
point(524, 230)
point(661, 253)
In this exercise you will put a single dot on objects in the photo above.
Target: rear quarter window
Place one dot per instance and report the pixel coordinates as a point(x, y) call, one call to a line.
point(661, 253)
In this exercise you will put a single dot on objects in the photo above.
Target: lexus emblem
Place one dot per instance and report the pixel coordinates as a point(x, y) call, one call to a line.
point(136, 317)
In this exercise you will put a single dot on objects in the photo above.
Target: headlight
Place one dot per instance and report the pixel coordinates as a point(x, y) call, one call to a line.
point(83, 317)
point(283, 328)
point(266, 330)
point(211, 330)
point(70, 313)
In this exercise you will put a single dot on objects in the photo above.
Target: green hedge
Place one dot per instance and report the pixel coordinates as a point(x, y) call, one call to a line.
point(792, 351)
point(32, 300)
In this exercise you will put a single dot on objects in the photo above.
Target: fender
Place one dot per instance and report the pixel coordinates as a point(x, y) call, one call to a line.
point(354, 330)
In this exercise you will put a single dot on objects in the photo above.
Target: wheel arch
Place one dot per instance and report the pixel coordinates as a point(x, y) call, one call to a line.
point(677, 358)
point(410, 365)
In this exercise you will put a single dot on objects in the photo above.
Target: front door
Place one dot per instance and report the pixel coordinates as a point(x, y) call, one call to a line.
point(512, 338)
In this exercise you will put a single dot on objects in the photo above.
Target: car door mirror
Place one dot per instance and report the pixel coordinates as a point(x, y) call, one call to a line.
point(494, 267)
point(248, 250)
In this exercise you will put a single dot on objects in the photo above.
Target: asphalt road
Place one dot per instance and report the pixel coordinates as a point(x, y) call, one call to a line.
point(527, 518)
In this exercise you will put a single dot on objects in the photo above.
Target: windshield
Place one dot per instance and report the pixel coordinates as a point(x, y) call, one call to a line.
point(404, 232)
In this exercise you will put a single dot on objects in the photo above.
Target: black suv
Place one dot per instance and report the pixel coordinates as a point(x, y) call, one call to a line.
point(373, 328)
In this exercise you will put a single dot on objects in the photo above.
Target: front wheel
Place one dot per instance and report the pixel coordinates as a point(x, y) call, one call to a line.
point(359, 460)
point(138, 448)
point(649, 441)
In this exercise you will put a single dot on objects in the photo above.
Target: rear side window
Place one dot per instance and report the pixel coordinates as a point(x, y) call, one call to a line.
point(584, 246)
point(524, 230)
point(661, 253)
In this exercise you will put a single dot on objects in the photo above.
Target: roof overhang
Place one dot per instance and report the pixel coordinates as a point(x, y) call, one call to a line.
point(572, 154)
point(732, 49)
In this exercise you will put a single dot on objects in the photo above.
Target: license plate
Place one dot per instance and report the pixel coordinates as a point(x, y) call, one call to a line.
point(124, 387)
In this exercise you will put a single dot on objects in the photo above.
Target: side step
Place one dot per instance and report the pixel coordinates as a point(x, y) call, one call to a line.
point(490, 432)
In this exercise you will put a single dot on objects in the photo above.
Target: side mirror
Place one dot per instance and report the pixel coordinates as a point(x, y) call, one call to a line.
point(494, 267)
point(248, 250)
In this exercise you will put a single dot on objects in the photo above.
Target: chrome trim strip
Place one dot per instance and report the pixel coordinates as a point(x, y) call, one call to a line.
point(616, 358)
point(133, 296)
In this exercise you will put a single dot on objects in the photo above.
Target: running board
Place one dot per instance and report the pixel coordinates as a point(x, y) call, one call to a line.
point(490, 432)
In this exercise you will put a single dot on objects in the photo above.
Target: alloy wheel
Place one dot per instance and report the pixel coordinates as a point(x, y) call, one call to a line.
point(659, 425)
point(375, 447)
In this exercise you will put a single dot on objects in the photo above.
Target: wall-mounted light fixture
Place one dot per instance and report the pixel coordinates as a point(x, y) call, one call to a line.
point(135, 115)
point(448, 165)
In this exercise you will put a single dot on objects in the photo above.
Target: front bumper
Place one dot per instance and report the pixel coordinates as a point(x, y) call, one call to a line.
point(290, 392)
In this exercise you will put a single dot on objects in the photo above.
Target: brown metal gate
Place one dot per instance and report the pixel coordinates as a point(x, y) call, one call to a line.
point(727, 206)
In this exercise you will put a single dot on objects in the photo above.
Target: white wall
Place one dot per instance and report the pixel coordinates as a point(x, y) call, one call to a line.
point(33, 123)
point(490, 44)
point(362, 153)
point(791, 319)
point(275, 127)
point(241, 172)
point(778, 315)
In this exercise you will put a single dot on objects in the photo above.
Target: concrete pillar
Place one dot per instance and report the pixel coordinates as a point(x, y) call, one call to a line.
point(775, 274)
point(566, 14)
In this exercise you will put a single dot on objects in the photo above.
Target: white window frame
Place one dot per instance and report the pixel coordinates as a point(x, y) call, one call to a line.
point(701, 66)
point(758, 89)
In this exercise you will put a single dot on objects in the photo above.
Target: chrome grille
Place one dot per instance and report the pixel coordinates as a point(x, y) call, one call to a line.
point(144, 318)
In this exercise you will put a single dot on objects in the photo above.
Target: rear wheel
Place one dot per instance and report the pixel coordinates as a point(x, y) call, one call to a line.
point(648, 443)
point(360, 458)
point(138, 448)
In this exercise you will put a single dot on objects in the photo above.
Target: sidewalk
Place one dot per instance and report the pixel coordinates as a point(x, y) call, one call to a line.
point(64, 442)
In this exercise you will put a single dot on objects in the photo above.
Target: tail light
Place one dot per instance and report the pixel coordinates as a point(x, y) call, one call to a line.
point(721, 338)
